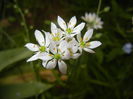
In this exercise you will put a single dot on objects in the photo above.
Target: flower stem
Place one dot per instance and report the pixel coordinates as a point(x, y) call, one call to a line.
point(99, 6)
point(24, 22)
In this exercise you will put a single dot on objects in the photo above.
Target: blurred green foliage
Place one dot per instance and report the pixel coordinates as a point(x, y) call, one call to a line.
point(106, 74)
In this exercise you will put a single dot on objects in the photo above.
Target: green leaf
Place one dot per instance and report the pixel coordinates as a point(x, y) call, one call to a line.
point(11, 56)
point(19, 91)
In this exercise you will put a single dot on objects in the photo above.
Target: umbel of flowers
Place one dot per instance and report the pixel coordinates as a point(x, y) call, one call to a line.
point(61, 44)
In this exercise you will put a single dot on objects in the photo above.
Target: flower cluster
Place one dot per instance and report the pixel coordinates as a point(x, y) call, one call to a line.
point(61, 44)
point(92, 20)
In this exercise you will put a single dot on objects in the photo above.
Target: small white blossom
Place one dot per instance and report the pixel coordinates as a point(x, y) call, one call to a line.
point(41, 49)
point(69, 29)
point(84, 43)
point(71, 48)
point(56, 34)
point(56, 56)
point(93, 21)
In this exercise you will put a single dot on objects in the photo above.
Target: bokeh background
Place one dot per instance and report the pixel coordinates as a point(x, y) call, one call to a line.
point(107, 74)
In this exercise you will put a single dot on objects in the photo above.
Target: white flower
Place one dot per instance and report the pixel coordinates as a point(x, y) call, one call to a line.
point(93, 21)
point(69, 29)
point(71, 48)
point(41, 49)
point(127, 48)
point(56, 56)
point(85, 45)
point(56, 34)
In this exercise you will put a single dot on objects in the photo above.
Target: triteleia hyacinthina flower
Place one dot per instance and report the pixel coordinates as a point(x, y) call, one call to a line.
point(39, 49)
point(56, 34)
point(56, 56)
point(93, 21)
point(85, 44)
point(71, 47)
point(69, 28)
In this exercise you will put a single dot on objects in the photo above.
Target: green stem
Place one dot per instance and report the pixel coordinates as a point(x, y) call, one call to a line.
point(24, 22)
point(35, 71)
point(99, 6)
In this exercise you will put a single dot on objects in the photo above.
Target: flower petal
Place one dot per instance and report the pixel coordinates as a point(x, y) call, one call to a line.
point(89, 50)
point(79, 37)
point(63, 45)
point(73, 44)
point(78, 28)
point(47, 38)
point(62, 66)
point(75, 56)
point(80, 50)
point(53, 48)
point(32, 47)
point(39, 37)
point(88, 35)
point(51, 64)
point(53, 28)
point(94, 44)
point(44, 56)
point(61, 23)
point(33, 58)
point(44, 63)
point(72, 22)
point(66, 55)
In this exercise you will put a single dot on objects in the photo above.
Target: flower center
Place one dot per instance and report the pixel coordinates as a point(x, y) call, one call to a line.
point(91, 24)
point(82, 44)
point(56, 38)
point(69, 31)
point(57, 56)
point(42, 48)
point(87, 44)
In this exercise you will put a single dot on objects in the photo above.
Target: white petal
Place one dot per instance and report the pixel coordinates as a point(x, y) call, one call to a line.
point(79, 37)
point(80, 50)
point(47, 37)
point(33, 58)
point(53, 48)
point(72, 22)
point(73, 44)
point(66, 55)
point(44, 63)
point(61, 23)
point(53, 28)
point(62, 66)
point(75, 56)
point(44, 56)
point(89, 50)
point(88, 35)
point(63, 45)
point(78, 28)
point(32, 47)
point(72, 34)
point(94, 44)
point(51, 64)
point(60, 33)
point(39, 37)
